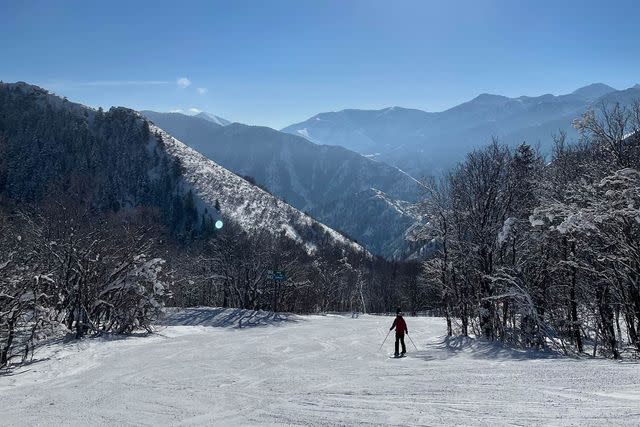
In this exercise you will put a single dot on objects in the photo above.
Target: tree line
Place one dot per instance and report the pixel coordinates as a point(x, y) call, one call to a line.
point(542, 253)
point(68, 269)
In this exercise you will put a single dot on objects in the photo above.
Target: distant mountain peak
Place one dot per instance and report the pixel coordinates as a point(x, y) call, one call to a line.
point(397, 108)
point(594, 90)
point(488, 98)
point(402, 110)
point(213, 118)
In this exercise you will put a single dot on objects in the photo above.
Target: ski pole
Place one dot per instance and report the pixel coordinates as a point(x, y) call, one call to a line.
point(414, 344)
point(385, 340)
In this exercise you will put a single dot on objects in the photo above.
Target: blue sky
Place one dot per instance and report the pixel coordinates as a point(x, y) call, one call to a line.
point(278, 62)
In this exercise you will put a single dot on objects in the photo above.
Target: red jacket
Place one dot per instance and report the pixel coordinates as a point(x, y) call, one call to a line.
point(400, 325)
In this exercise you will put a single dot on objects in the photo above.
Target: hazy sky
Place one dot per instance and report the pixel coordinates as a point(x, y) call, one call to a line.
point(278, 62)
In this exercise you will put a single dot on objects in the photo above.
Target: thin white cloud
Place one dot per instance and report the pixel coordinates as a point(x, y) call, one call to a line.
point(123, 83)
point(176, 111)
point(202, 90)
point(183, 82)
point(194, 110)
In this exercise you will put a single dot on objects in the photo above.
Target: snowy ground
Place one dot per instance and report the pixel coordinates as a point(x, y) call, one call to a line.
point(202, 369)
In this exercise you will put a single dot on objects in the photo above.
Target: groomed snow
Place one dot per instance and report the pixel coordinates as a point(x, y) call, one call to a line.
point(201, 368)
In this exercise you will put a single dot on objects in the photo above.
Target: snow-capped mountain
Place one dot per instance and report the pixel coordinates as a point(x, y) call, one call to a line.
point(332, 183)
point(423, 143)
point(213, 118)
point(114, 160)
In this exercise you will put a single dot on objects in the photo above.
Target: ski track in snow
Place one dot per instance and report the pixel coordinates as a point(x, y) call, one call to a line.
point(200, 368)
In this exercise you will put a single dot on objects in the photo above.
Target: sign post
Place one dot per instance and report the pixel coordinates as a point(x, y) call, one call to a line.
point(276, 276)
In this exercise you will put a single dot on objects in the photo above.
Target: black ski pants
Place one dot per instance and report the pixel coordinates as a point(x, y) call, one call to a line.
point(400, 339)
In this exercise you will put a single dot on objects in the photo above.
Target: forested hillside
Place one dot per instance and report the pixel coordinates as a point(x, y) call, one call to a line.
point(543, 255)
point(339, 187)
point(104, 219)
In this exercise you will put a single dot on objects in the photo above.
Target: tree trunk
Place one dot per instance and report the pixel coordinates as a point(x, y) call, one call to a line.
point(575, 326)
point(4, 353)
point(606, 317)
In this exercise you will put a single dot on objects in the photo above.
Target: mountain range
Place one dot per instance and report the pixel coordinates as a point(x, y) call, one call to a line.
point(425, 143)
point(352, 170)
point(339, 187)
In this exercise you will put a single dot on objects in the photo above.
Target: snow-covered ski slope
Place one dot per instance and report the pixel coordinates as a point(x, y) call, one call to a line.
point(201, 368)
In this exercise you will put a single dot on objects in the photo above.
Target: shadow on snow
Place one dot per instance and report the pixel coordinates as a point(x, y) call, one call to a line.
point(225, 317)
point(481, 349)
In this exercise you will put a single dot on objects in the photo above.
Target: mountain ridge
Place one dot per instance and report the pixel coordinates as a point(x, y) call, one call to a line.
point(425, 143)
point(311, 177)
point(119, 160)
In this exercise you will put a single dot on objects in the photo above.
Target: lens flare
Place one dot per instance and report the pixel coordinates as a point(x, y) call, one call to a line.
point(219, 224)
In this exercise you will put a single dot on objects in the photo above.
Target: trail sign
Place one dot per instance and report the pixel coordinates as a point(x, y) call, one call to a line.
point(277, 275)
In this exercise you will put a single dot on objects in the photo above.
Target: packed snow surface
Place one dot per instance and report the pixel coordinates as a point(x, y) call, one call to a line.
point(233, 367)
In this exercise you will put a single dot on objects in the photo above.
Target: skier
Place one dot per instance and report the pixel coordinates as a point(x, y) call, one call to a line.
point(401, 329)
